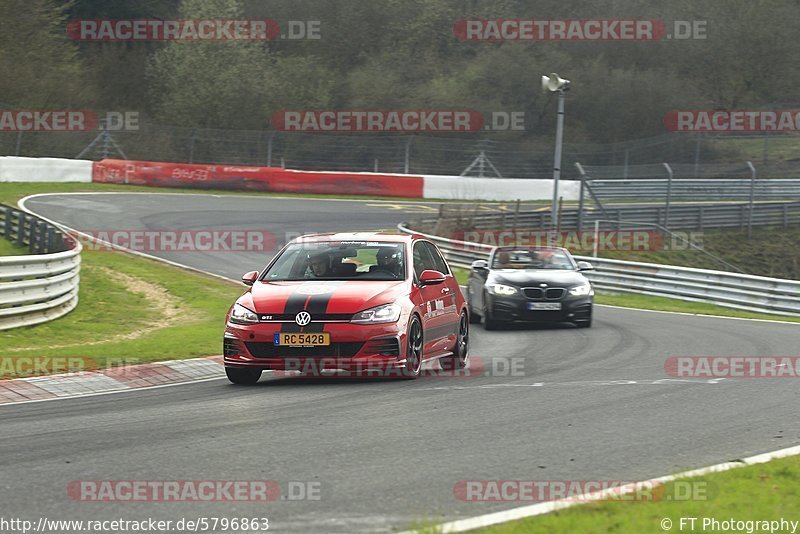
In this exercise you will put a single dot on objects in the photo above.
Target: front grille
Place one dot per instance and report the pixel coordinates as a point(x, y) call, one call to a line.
point(384, 347)
point(554, 293)
point(551, 293)
point(533, 293)
point(319, 317)
point(269, 350)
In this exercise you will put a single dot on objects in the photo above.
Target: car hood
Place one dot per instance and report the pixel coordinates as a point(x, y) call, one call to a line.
point(321, 296)
point(534, 277)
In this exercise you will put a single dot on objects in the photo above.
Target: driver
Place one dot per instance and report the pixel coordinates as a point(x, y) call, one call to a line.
point(320, 264)
point(388, 260)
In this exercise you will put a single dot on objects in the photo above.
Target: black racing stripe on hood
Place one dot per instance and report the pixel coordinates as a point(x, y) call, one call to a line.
point(313, 304)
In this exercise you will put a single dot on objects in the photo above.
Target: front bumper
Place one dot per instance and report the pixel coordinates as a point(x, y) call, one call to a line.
point(354, 348)
point(515, 308)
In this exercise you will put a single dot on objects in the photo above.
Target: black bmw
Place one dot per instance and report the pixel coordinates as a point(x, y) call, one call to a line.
point(537, 284)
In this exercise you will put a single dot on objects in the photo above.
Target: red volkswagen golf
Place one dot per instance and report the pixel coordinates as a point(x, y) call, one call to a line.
point(354, 302)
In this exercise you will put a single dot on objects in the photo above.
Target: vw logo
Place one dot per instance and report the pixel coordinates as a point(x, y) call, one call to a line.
point(302, 318)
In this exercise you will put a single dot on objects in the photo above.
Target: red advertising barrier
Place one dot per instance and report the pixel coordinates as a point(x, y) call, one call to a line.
point(255, 179)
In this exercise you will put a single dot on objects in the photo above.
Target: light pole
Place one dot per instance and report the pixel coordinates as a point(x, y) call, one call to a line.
point(554, 83)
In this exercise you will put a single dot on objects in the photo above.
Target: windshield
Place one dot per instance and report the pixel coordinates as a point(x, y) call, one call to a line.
point(532, 258)
point(345, 260)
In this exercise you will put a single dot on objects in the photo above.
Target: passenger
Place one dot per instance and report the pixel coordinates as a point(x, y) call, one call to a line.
point(503, 260)
point(320, 264)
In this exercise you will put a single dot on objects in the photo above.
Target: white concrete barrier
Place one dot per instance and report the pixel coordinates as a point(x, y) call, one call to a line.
point(466, 188)
point(18, 169)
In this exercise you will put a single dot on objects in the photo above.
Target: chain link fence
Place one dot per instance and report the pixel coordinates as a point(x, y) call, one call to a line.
point(484, 154)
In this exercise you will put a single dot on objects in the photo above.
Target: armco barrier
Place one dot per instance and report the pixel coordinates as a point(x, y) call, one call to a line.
point(43, 285)
point(255, 178)
point(740, 291)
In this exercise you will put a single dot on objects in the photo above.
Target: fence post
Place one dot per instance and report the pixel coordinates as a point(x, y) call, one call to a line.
point(269, 149)
point(192, 139)
point(625, 169)
point(752, 196)
point(669, 194)
point(697, 156)
point(407, 156)
point(582, 184)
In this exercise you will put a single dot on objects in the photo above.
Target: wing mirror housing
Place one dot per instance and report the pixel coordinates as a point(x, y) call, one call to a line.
point(430, 277)
point(250, 278)
point(585, 266)
point(480, 265)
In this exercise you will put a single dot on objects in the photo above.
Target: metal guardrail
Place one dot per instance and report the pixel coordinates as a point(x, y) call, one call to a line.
point(731, 290)
point(710, 189)
point(41, 286)
point(681, 216)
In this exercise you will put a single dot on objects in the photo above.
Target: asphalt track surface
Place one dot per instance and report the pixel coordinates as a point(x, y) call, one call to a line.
point(583, 404)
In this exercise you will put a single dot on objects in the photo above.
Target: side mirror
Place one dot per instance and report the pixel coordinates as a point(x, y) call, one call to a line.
point(430, 277)
point(250, 278)
point(480, 265)
point(585, 266)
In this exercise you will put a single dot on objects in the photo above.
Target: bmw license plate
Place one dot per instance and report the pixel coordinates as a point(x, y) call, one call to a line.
point(544, 306)
point(318, 339)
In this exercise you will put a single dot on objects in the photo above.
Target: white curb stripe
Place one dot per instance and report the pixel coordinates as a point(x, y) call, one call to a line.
point(496, 518)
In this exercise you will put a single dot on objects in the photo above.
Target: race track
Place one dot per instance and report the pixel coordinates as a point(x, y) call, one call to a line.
point(585, 404)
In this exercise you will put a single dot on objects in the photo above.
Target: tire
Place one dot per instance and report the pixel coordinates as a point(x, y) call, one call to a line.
point(414, 346)
point(460, 357)
point(243, 376)
point(488, 322)
point(585, 323)
point(474, 318)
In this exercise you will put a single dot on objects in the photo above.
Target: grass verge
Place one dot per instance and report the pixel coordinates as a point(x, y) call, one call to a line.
point(7, 248)
point(770, 491)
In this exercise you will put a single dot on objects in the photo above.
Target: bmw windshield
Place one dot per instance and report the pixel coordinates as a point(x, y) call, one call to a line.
point(345, 260)
point(532, 258)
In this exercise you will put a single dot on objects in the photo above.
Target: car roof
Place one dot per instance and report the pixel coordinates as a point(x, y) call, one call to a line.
point(388, 236)
point(530, 247)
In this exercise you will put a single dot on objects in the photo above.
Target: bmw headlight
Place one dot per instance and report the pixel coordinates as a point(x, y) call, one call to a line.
point(387, 313)
point(581, 290)
point(241, 315)
point(501, 289)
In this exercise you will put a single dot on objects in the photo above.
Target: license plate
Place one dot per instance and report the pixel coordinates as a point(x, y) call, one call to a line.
point(544, 305)
point(318, 339)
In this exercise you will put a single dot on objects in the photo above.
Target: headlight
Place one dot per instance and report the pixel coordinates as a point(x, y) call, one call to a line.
point(583, 289)
point(387, 313)
point(500, 289)
point(241, 315)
